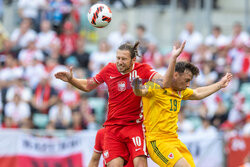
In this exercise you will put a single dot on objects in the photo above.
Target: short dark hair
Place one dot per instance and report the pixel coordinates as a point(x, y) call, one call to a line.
point(181, 66)
point(131, 48)
point(142, 27)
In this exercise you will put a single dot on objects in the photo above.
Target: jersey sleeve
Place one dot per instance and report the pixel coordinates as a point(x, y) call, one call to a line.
point(186, 93)
point(100, 77)
point(149, 72)
point(98, 143)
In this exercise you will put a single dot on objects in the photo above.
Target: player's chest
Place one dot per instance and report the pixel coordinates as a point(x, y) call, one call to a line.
point(118, 83)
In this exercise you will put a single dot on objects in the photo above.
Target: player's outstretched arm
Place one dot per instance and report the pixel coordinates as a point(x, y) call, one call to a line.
point(85, 85)
point(167, 79)
point(202, 92)
point(94, 162)
point(138, 88)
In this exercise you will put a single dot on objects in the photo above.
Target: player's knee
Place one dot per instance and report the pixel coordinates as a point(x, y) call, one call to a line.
point(140, 161)
point(182, 163)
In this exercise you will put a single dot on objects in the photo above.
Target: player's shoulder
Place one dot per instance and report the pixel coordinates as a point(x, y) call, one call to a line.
point(111, 65)
point(143, 66)
point(100, 132)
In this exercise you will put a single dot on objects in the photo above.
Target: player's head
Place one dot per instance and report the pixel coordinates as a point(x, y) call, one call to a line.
point(184, 72)
point(126, 56)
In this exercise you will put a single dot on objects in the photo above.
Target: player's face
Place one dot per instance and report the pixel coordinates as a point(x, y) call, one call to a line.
point(182, 80)
point(124, 62)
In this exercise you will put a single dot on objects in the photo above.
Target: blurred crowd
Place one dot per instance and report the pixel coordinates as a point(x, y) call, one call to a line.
point(52, 35)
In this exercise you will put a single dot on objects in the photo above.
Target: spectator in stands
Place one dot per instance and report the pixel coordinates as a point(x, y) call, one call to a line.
point(28, 54)
point(81, 54)
point(143, 37)
point(36, 68)
point(17, 111)
point(46, 37)
point(77, 121)
point(193, 38)
point(11, 71)
point(44, 96)
point(206, 127)
point(202, 54)
point(116, 38)
point(216, 39)
point(88, 114)
point(102, 57)
point(22, 35)
point(68, 40)
point(3, 36)
point(239, 37)
point(207, 75)
point(60, 115)
point(184, 124)
point(59, 12)
point(52, 66)
point(70, 96)
point(152, 54)
point(6, 50)
point(30, 9)
point(19, 88)
point(220, 115)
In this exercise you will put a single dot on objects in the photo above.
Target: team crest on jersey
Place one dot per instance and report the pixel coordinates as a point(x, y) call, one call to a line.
point(121, 86)
point(106, 154)
point(171, 156)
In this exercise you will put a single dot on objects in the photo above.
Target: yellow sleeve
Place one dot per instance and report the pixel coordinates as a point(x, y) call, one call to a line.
point(151, 87)
point(186, 93)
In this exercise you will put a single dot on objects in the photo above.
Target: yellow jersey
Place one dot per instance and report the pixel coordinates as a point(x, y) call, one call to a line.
point(160, 110)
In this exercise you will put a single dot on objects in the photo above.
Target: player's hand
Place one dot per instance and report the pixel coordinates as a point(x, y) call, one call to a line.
point(64, 75)
point(177, 51)
point(225, 80)
point(136, 83)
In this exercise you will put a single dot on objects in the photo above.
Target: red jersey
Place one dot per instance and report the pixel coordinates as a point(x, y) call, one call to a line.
point(124, 108)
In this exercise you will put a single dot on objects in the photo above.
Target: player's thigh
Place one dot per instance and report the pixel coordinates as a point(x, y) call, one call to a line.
point(164, 153)
point(116, 162)
point(135, 141)
point(186, 154)
point(140, 161)
point(114, 147)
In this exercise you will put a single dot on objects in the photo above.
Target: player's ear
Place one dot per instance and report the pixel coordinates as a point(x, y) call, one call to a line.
point(176, 75)
point(134, 59)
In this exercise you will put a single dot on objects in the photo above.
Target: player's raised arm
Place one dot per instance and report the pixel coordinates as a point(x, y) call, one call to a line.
point(85, 85)
point(202, 92)
point(165, 81)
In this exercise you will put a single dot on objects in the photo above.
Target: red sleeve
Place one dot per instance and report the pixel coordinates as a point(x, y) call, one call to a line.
point(100, 77)
point(98, 148)
point(149, 72)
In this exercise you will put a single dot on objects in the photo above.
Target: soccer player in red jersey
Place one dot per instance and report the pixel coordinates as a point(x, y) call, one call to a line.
point(124, 134)
point(98, 150)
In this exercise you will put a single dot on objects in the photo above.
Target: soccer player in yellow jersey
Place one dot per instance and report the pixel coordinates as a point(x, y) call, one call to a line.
point(161, 108)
